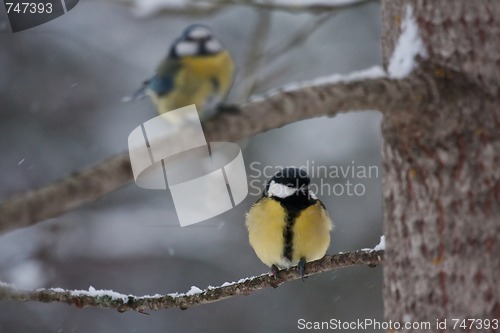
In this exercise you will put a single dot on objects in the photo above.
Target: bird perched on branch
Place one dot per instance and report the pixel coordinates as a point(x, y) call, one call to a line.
point(197, 70)
point(288, 226)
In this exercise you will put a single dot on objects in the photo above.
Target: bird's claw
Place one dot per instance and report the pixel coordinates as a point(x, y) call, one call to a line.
point(274, 271)
point(274, 274)
point(302, 267)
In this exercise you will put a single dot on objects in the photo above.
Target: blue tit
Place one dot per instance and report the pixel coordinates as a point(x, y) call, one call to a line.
point(289, 225)
point(197, 70)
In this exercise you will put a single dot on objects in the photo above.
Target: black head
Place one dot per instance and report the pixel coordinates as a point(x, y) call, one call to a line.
point(288, 182)
point(290, 187)
point(196, 40)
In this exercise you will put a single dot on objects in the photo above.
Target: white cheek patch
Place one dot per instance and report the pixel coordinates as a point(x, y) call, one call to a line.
point(199, 33)
point(280, 190)
point(213, 46)
point(312, 195)
point(183, 49)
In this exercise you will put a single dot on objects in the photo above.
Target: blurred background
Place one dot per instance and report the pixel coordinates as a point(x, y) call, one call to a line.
point(61, 86)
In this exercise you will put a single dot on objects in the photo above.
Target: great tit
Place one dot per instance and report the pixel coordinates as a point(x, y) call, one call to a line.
point(289, 225)
point(197, 70)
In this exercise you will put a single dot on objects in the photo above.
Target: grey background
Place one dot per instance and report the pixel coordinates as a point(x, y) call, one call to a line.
point(60, 111)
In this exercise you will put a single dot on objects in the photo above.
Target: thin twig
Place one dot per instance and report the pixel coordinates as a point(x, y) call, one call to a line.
point(259, 74)
point(122, 302)
point(299, 38)
point(254, 55)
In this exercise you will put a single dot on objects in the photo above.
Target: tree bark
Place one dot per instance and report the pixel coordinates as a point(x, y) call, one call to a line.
point(442, 170)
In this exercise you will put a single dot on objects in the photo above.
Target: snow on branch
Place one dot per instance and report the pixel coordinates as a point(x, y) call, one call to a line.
point(366, 90)
point(375, 72)
point(151, 7)
point(195, 296)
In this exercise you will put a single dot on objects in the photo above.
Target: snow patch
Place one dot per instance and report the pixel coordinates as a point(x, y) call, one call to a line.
point(92, 292)
point(151, 7)
point(380, 245)
point(193, 291)
point(408, 47)
point(227, 284)
point(7, 285)
point(374, 72)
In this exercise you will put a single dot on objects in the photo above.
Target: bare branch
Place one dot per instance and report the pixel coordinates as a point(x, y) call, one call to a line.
point(276, 110)
point(121, 302)
point(66, 194)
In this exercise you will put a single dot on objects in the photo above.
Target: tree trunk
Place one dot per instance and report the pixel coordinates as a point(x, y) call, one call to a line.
point(442, 170)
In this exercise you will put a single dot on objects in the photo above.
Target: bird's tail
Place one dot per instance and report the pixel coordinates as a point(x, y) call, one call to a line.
point(139, 94)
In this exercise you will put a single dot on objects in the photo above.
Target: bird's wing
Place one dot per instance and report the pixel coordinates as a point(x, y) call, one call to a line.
point(161, 83)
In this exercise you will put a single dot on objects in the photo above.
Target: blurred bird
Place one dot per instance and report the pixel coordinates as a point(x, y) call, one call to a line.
point(288, 226)
point(197, 70)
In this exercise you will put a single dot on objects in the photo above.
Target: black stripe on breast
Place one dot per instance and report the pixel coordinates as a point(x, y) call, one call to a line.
point(293, 205)
point(288, 235)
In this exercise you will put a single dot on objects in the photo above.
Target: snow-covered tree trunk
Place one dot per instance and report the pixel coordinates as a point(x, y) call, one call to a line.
point(442, 169)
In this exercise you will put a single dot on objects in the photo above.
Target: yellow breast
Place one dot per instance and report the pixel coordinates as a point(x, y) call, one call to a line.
point(209, 66)
point(266, 222)
point(311, 234)
point(194, 83)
